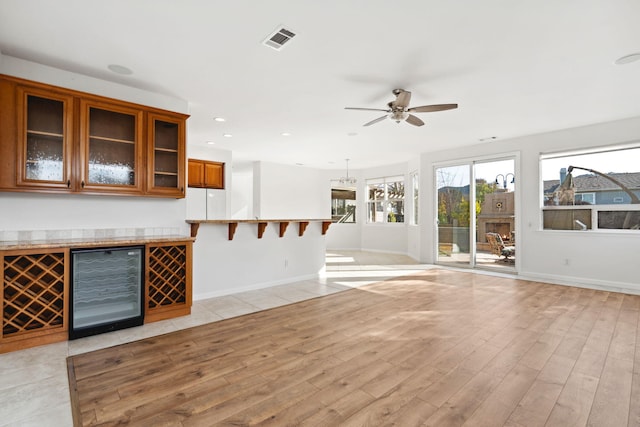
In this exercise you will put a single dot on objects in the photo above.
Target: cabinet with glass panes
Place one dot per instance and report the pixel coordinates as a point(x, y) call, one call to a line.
point(165, 155)
point(54, 139)
point(45, 144)
point(111, 147)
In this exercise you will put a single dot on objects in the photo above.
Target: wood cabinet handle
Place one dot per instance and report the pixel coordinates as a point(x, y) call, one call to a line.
point(82, 184)
point(68, 183)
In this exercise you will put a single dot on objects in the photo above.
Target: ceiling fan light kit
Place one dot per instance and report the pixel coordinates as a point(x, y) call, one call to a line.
point(398, 110)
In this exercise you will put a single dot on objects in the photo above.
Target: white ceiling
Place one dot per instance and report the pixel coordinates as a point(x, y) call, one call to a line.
point(514, 67)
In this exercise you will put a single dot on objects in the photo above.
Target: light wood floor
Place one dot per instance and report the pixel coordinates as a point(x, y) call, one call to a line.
point(436, 348)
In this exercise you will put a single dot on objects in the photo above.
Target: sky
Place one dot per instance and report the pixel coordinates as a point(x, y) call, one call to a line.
point(458, 176)
point(611, 161)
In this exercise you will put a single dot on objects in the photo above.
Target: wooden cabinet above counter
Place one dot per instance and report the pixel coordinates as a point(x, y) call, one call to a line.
point(60, 140)
point(206, 174)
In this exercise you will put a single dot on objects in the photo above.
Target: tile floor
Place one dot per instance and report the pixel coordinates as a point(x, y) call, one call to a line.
point(34, 389)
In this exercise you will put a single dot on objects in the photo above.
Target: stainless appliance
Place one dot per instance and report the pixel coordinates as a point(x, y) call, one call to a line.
point(106, 290)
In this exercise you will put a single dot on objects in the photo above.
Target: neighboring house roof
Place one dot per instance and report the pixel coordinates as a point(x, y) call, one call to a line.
point(551, 185)
point(591, 182)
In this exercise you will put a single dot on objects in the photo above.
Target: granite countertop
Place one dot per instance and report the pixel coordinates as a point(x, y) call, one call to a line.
point(90, 242)
point(253, 221)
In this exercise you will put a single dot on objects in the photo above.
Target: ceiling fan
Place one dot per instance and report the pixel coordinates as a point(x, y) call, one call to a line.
point(399, 112)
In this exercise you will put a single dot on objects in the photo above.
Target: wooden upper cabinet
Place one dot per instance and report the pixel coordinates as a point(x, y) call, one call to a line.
point(111, 147)
point(165, 154)
point(214, 175)
point(45, 140)
point(196, 173)
point(206, 174)
point(59, 140)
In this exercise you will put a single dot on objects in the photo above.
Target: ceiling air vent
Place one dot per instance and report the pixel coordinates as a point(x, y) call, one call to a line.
point(279, 38)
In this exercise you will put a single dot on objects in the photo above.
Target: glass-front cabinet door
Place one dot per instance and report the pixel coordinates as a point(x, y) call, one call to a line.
point(45, 142)
point(111, 147)
point(165, 155)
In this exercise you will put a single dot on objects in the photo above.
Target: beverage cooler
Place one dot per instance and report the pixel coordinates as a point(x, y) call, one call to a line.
point(106, 290)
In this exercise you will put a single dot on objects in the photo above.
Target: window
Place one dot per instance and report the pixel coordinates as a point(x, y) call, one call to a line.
point(343, 205)
point(585, 199)
point(416, 198)
point(599, 189)
point(386, 200)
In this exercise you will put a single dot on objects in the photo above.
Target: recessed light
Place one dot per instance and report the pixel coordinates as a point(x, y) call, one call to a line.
point(227, 135)
point(120, 69)
point(627, 59)
point(219, 119)
point(211, 142)
point(285, 134)
point(299, 164)
point(352, 134)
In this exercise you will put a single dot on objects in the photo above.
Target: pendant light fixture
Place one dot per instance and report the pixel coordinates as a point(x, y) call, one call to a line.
point(347, 179)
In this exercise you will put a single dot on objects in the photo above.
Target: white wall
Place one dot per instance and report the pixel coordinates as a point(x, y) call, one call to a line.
point(222, 266)
point(40, 73)
point(242, 192)
point(344, 236)
point(26, 211)
point(399, 238)
point(283, 191)
point(31, 211)
point(596, 258)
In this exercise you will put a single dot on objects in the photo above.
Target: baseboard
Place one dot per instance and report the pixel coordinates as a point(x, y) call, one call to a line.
point(552, 279)
point(581, 282)
point(254, 286)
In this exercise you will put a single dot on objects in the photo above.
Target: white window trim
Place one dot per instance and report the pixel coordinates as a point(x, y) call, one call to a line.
point(595, 209)
point(385, 201)
point(415, 198)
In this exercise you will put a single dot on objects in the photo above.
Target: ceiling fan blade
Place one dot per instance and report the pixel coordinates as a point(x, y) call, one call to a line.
point(403, 98)
point(367, 109)
point(414, 120)
point(374, 121)
point(432, 108)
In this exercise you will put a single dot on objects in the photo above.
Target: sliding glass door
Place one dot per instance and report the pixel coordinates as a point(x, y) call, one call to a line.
point(453, 218)
point(476, 223)
point(495, 214)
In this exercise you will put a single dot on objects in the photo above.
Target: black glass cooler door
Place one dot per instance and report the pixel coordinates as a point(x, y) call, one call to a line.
point(106, 289)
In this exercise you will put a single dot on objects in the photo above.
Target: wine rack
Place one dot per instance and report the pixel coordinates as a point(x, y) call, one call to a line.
point(168, 281)
point(33, 294)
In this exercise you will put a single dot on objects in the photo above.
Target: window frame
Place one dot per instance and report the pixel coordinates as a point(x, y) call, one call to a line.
point(591, 212)
point(336, 185)
point(415, 193)
point(591, 194)
point(385, 202)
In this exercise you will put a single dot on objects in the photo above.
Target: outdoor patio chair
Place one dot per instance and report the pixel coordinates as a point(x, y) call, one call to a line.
point(499, 248)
